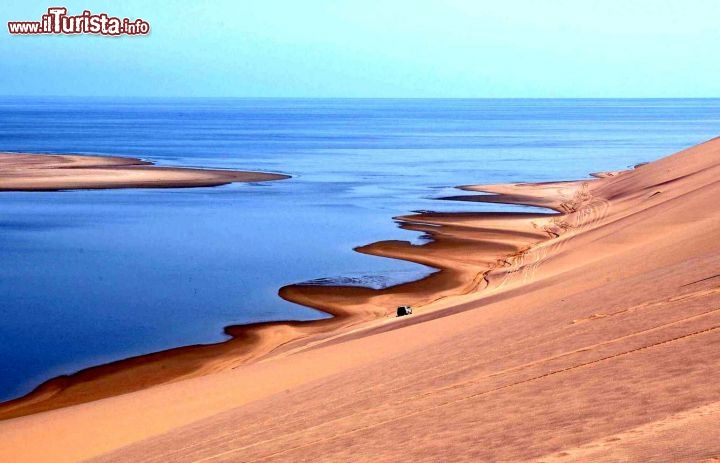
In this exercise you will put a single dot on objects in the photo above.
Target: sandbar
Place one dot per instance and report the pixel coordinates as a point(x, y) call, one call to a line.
point(51, 172)
point(589, 333)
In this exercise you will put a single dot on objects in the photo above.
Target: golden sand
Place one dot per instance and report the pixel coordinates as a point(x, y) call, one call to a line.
point(590, 334)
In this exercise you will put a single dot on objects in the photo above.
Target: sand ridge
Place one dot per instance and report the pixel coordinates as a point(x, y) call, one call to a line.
point(463, 247)
point(594, 339)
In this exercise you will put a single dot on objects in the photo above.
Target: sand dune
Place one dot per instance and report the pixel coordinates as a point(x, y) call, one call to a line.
point(589, 334)
point(45, 172)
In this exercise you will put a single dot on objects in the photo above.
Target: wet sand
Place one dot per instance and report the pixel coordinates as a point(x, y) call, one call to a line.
point(464, 247)
point(587, 334)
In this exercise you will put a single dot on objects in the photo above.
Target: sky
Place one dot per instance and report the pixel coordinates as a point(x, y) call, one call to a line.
point(370, 48)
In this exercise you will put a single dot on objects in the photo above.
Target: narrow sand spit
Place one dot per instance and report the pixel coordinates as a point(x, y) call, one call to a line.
point(45, 172)
point(590, 334)
point(465, 248)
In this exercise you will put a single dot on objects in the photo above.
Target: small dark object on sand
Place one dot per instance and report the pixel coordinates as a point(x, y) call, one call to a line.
point(404, 310)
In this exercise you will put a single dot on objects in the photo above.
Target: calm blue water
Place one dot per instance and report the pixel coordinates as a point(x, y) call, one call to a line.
point(90, 277)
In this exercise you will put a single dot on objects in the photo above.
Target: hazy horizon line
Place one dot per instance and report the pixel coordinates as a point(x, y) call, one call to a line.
point(195, 97)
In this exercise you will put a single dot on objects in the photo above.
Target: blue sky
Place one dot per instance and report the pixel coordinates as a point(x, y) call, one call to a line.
point(368, 48)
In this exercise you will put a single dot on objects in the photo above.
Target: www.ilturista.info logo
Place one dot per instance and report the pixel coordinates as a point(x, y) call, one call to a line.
point(56, 21)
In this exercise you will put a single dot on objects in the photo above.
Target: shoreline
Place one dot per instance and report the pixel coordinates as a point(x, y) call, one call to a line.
point(495, 238)
point(597, 343)
point(43, 172)
point(56, 172)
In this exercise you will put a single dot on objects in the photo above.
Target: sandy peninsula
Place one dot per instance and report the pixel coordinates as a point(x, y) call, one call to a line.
point(46, 172)
point(589, 333)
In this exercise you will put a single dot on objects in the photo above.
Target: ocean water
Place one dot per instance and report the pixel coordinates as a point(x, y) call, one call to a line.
point(88, 277)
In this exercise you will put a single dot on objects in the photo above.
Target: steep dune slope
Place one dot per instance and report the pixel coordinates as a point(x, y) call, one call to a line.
point(597, 343)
